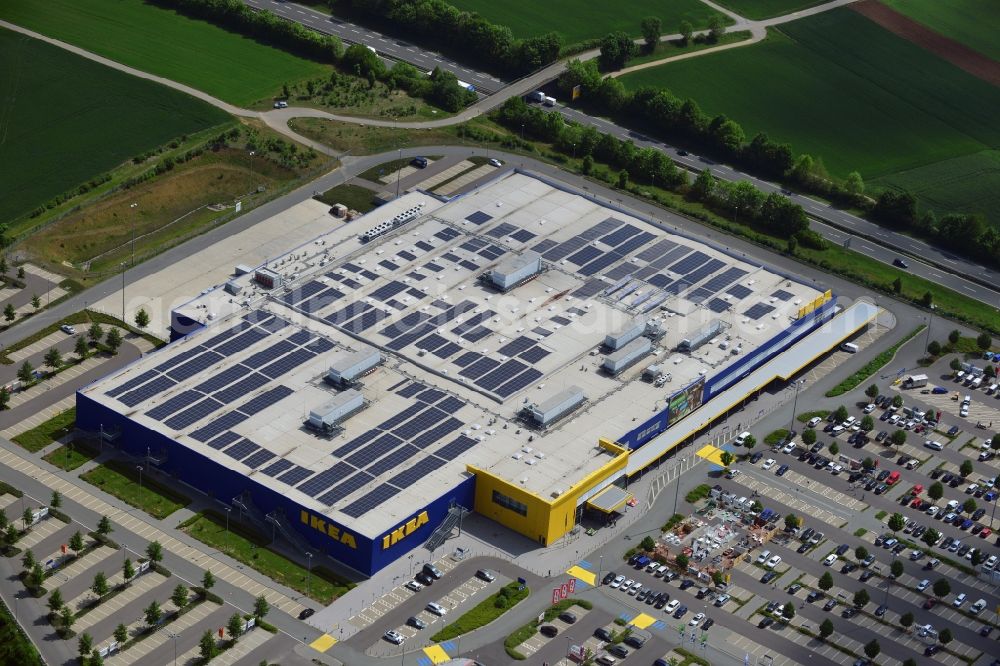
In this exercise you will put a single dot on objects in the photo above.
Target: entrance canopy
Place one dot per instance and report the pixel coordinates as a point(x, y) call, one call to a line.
point(610, 499)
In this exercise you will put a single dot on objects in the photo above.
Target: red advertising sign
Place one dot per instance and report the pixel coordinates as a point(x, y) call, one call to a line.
point(556, 595)
point(564, 590)
point(572, 585)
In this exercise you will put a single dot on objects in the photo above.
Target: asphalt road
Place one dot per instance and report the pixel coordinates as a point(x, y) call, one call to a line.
point(396, 49)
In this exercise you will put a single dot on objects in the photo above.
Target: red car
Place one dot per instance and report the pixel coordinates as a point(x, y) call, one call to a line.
point(929, 603)
point(986, 532)
point(916, 502)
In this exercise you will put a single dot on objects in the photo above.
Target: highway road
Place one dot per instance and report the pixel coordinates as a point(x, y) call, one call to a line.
point(397, 49)
point(964, 276)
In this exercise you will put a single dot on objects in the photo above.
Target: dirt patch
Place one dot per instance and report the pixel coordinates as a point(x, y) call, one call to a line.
point(954, 52)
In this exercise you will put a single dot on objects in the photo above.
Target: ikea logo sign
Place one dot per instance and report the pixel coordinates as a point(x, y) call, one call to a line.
point(320, 524)
point(405, 530)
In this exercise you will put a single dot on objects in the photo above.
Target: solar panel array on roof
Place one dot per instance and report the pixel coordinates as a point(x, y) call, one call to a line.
point(718, 305)
point(192, 414)
point(522, 235)
point(146, 391)
point(218, 425)
point(516, 346)
point(621, 270)
point(455, 448)
point(345, 488)
point(223, 440)
point(584, 255)
point(534, 355)
point(479, 217)
point(501, 230)
point(543, 246)
point(258, 459)
point(759, 310)
point(739, 291)
point(177, 402)
point(265, 400)
point(368, 502)
point(448, 233)
point(782, 295)
point(590, 288)
point(241, 449)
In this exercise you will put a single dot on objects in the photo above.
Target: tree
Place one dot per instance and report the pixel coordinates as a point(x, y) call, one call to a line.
point(113, 340)
point(896, 522)
point(76, 542)
point(128, 571)
point(56, 500)
point(935, 491)
point(726, 458)
point(687, 31)
point(791, 521)
point(152, 613)
point(85, 645)
point(682, 561)
point(897, 401)
point(28, 517)
point(945, 636)
point(954, 336)
point(834, 448)
point(995, 443)
point(872, 649)
point(67, 618)
point(840, 414)
point(26, 372)
point(872, 391)
point(977, 557)
point(825, 581)
point(235, 626)
point(867, 423)
point(861, 598)
point(9, 313)
point(898, 438)
point(10, 534)
point(154, 551)
point(121, 634)
point(934, 348)
point(854, 184)
point(180, 596)
point(95, 332)
point(261, 607)
point(860, 553)
point(826, 629)
point(206, 646)
point(927, 299)
point(969, 506)
point(647, 543)
point(3, 266)
point(55, 601)
point(941, 587)
point(930, 537)
point(868, 464)
point(207, 580)
point(750, 442)
point(81, 349)
point(3, 520)
point(100, 586)
point(28, 560)
point(715, 28)
point(587, 165)
point(897, 285)
point(20, 272)
point(651, 29)
point(617, 48)
point(809, 437)
point(142, 318)
point(104, 526)
point(896, 569)
point(906, 620)
point(984, 341)
point(35, 301)
point(4, 397)
point(955, 364)
point(965, 469)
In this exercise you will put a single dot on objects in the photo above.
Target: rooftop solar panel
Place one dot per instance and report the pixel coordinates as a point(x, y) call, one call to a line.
point(132, 383)
point(590, 288)
point(366, 321)
point(479, 217)
point(177, 402)
point(563, 250)
point(621, 270)
point(468, 265)
point(241, 388)
point(739, 291)
point(504, 373)
point(620, 236)
point(479, 368)
point(599, 264)
point(522, 235)
point(411, 390)
point(416, 276)
point(670, 257)
point(759, 310)
point(226, 334)
point(466, 359)
point(265, 356)
point(477, 334)
point(516, 346)
point(357, 442)
point(436, 433)
point(295, 475)
point(299, 337)
point(420, 423)
point(407, 256)
point(287, 364)
point(402, 416)
point(519, 383)
point(277, 467)
point(388, 265)
point(601, 228)
point(534, 355)
point(543, 332)
point(562, 321)
point(782, 295)
point(265, 400)
point(431, 266)
point(543, 246)
point(656, 250)
point(431, 396)
point(447, 350)
point(368, 275)
point(227, 376)
point(274, 324)
point(241, 449)
point(198, 364)
point(501, 230)
point(718, 305)
point(455, 448)
point(345, 488)
point(388, 290)
point(416, 472)
point(473, 244)
point(366, 503)
point(217, 425)
point(583, 256)
point(317, 303)
point(393, 460)
point(185, 355)
point(223, 440)
point(451, 404)
point(257, 459)
point(326, 479)
point(146, 391)
point(192, 414)
point(425, 246)
point(448, 233)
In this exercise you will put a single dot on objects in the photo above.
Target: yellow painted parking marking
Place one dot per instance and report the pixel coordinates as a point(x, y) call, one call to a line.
point(711, 454)
point(642, 621)
point(436, 654)
point(588, 577)
point(323, 643)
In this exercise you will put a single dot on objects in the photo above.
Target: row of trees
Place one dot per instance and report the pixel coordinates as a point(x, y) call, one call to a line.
point(445, 27)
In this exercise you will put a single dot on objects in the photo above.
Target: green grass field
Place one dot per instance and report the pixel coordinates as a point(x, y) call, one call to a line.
point(224, 64)
point(577, 21)
point(122, 481)
point(762, 9)
point(974, 23)
point(55, 428)
point(838, 86)
point(66, 119)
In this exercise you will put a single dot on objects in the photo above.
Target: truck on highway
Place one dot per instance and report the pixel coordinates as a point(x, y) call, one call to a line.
point(537, 96)
point(549, 101)
point(914, 381)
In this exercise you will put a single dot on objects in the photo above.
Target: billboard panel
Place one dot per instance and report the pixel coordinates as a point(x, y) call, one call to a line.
point(685, 401)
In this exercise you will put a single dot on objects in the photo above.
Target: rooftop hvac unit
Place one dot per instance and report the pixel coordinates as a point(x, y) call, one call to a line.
point(398, 220)
point(558, 405)
point(346, 368)
point(702, 336)
point(325, 418)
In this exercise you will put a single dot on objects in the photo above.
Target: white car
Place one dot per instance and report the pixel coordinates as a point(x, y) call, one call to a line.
point(627, 584)
point(990, 562)
point(634, 589)
point(495, 162)
point(814, 421)
point(414, 585)
point(393, 637)
point(617, 582)
point(281, 104)
point(959, 600)
point(773, 562)
point(696, 620)
point(672, 606)
point(964, 411)
point(741, 438)
point(67, 329)
point(788, 448)
point(830, 559)
point(849, 421)
point(768, 464)
point(662, 569)
point(837, 429)
point(437, 609)
point(869, 408)
point(923, 585)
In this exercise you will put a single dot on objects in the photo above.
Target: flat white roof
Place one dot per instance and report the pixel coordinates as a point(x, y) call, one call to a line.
point(462, 360)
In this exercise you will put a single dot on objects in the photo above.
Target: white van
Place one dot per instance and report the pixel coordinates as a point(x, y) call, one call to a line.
point(741, 438)
point(850, 347)
point(960, 376)
point(763, 556)
point(978, 607)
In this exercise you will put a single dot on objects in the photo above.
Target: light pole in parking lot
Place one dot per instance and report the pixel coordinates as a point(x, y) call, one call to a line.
point(227, 528)
point(309, 561)
point(795, 403)
point(133, 206)
point(139, 469)
point(175, 637)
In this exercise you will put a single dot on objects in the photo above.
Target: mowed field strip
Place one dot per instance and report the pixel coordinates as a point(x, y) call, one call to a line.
point(67, 119)
point(159, 41)
point(975, 23)
point(577, 21)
